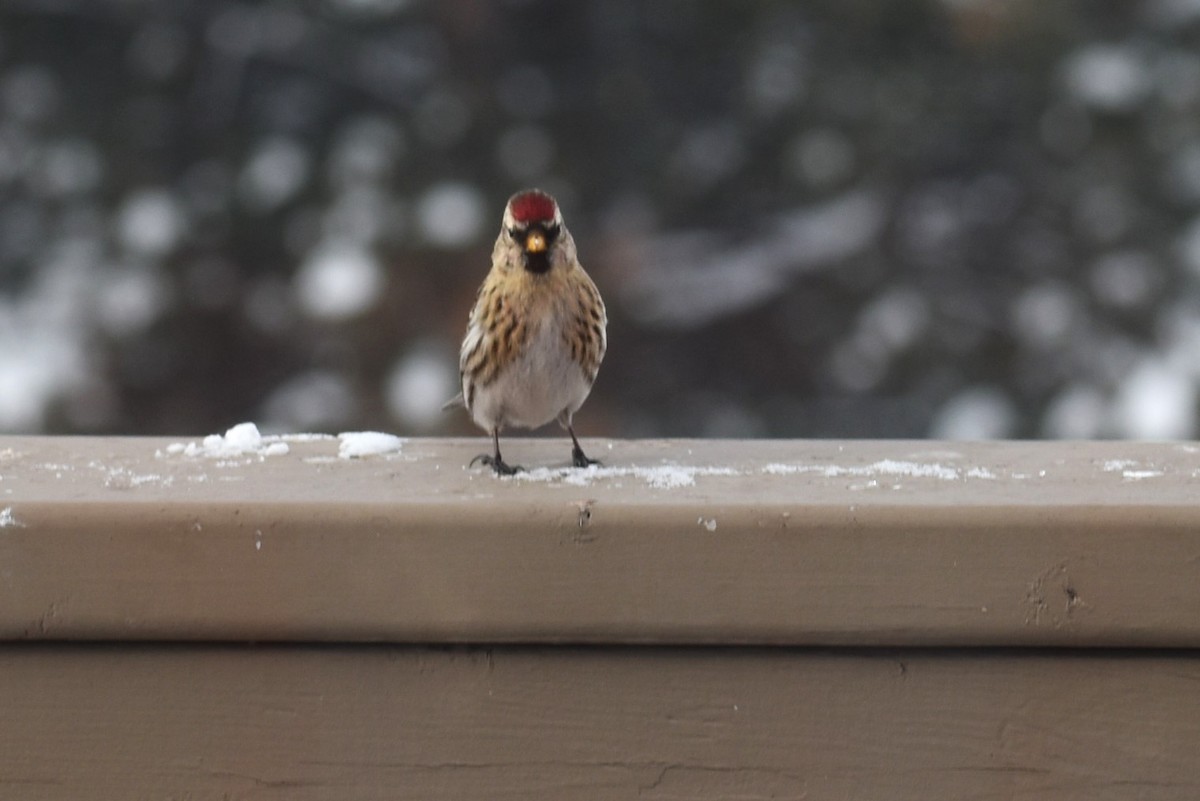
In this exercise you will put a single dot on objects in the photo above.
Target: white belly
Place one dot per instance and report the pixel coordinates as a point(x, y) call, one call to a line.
point(536, 388)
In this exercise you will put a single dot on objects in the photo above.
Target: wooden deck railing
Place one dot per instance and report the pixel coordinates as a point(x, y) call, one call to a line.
point(995, 620)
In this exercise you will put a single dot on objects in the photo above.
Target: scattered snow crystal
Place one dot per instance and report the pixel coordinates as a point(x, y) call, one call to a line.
point(1137, 475)
point(884, 467)
point(1118, 464)
point(244, 439)
point(666, 476)
point(6, 518)
point(241, 440)
point(1123, 466)
point(353, 444)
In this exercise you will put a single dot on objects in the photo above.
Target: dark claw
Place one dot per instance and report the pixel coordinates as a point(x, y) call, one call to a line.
point(499, 466)
point(580, 459)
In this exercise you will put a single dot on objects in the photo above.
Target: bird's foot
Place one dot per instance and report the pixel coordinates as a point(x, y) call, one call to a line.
point(580, 459)
point(498, 465)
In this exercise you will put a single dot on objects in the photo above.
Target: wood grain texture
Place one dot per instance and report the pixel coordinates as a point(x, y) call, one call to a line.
point(374, 723)
point(675, 542)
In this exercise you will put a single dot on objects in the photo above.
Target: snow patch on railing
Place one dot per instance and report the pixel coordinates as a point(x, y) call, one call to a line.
point(245, 440)
point(8, 520)
point(667, 476)
point(885, 467)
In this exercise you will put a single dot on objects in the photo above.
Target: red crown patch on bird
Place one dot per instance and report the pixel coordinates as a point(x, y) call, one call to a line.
point(532, 206)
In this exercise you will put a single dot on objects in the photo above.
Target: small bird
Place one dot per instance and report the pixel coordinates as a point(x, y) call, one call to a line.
point(537, 333)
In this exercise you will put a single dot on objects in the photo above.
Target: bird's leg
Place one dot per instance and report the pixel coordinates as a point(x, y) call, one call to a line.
point(578, 457)
point(494, 461)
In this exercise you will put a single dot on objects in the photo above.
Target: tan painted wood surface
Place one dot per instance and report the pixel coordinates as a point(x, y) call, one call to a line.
point(379, 722)
point(686, 542)
point(673, 544)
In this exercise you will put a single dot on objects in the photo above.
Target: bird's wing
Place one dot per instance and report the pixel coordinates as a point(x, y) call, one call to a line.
point(496, 335)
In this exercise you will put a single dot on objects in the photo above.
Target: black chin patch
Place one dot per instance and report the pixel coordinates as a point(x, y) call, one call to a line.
point(537, 262)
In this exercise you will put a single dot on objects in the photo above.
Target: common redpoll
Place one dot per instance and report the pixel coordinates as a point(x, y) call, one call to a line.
point(536, 335)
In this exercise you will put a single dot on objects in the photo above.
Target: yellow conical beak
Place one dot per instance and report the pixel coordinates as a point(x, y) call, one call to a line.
point(535, 242)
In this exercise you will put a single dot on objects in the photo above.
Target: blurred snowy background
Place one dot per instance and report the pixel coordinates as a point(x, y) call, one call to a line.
point(952, 218)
